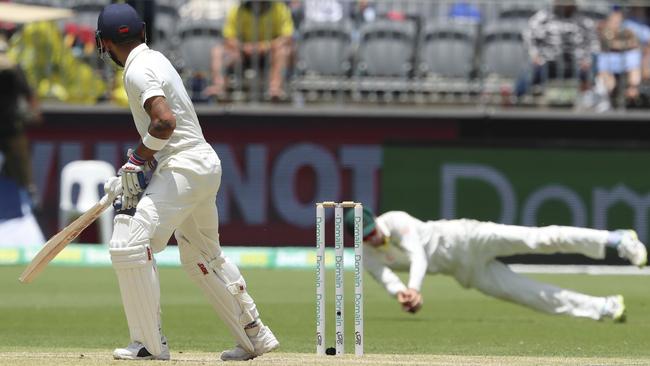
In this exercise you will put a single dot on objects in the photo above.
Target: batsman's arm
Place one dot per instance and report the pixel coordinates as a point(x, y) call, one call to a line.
point(163, 123)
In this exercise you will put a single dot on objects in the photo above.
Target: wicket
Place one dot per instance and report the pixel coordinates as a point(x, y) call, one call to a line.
point(339, 276)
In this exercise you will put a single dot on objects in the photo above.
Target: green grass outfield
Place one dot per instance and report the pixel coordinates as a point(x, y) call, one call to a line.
point(71, 311)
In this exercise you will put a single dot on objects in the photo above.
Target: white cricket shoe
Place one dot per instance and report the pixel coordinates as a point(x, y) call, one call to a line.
point(137, 351)
point(615, 308)
point(632, 249)
point(263, 342)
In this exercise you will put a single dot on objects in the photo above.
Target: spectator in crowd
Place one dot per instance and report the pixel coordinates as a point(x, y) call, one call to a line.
point(254, 30)
point(18, 108)
point(561, 44)
point(364, 11)
point(620, 57)
point(637, 22)
point(80, 39)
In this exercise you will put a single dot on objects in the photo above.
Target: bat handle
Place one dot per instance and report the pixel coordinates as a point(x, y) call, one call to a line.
point(107, 199)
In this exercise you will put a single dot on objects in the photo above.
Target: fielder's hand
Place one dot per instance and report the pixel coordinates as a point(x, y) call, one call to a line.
point(410, 299)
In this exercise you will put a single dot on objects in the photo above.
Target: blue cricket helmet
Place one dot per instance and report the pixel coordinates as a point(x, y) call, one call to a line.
point(120, 23)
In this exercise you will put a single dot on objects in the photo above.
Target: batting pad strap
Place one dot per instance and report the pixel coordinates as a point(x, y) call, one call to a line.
point(153, 142)
point(237, 287)
point(131, 257)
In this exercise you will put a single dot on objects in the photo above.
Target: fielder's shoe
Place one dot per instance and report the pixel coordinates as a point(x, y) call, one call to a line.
point(263, 342)
point(137, 351)
point(615, 308)
point(632, 249)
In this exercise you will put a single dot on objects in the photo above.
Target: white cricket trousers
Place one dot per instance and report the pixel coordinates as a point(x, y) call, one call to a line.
point(469, 254)
point(181, 195)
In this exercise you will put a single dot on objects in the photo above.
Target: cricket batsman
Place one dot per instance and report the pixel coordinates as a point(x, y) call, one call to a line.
point(179, 199)
point(467, 250)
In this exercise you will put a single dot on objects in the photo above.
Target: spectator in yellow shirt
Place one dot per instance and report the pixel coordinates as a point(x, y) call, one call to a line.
point(254, 28)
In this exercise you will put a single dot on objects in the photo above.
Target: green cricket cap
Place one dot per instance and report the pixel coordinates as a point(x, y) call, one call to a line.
point(368, 221)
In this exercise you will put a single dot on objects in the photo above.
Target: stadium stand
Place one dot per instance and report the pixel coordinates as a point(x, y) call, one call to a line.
point(504, 55)
point(197, 37)
point(166, 35)
point(385, 58)
point(447, 49)
point(324, 58)
point(406, 47)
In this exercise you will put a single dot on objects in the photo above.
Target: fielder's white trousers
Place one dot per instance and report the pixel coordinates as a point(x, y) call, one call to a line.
point(469, 254)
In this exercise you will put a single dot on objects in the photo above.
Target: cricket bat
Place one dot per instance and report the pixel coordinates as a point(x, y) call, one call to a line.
point(63, 238)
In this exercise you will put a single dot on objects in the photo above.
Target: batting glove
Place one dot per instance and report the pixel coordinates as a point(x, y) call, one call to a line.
point(150, 165)
point(125, 202)
point(133, 179)
point(113, 186)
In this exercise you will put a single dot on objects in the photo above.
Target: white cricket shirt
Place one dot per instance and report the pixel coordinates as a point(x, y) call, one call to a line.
point(148, 73)
point(410, 244)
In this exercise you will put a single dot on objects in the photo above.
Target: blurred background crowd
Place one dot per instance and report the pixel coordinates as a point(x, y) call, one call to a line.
point(591, 55)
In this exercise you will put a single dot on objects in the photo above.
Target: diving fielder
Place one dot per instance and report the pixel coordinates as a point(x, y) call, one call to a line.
point(179, 199)
point(467, 250)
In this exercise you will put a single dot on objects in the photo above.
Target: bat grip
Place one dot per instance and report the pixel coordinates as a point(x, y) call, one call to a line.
point(107, 199)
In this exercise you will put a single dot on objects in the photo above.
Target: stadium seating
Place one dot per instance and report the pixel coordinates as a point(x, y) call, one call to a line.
point(165, 32)
point(87, 11)
point(197, 38)
point(385, 59)
point(447, 49)
point(519, 11)
point(446, 58)
point(324, 57)
point(411, 46)
point(386, 48)
point(407, 9)
point(504, 54)
point(325, 48)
